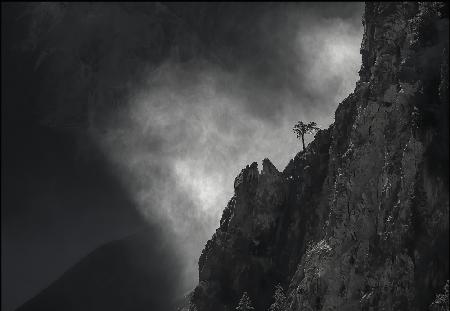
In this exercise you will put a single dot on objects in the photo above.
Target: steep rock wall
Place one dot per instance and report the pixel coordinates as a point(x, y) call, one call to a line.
point(386, 242)
point(358, 221)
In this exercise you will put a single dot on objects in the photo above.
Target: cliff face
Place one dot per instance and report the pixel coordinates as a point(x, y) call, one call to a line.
point(263, 230)
point(386, 239)
point(358, 221)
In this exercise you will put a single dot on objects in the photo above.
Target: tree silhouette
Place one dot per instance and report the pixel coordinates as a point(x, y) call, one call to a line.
point(245, 303)
point(280, 300)
point(304, 128)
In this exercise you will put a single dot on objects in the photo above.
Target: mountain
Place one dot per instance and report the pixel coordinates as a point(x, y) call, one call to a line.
point(359, 220)
point(121, 275)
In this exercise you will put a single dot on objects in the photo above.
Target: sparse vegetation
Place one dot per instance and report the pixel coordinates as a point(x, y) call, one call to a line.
point(441, 303)
point(245, 303)
point(280, 300)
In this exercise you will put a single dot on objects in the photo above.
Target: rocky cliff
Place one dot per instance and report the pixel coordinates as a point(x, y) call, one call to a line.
point(359, 220)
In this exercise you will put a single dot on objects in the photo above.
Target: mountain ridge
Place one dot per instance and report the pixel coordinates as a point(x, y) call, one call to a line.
point(119, 275)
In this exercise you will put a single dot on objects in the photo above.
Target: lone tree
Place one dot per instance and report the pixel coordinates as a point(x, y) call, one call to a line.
point(245, 303)
point(280, 300)
point(304, 128)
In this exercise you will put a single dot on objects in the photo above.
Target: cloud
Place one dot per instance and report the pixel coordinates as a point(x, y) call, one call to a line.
point(188, 131)
point(332, 50)
point(180, 98)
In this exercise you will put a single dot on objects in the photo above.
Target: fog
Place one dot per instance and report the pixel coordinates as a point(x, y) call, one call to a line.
point(172, 99)
point(190, 128)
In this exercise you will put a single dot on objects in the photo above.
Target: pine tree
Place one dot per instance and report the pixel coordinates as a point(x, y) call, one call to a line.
point(304, 128)
point(245, 303)
point(280, 300)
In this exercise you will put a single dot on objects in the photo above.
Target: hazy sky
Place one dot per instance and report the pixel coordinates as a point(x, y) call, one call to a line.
point(172, 99)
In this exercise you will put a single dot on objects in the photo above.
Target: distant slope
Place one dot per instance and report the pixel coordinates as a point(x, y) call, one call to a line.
point(128, 274)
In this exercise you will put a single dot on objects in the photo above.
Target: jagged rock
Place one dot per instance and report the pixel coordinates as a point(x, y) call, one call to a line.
point(359, 220)
point(262, 230)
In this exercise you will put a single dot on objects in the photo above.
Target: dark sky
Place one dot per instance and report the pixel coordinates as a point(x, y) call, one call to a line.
point(117, 115)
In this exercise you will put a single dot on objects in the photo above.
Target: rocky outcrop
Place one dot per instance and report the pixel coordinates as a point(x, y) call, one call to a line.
point(263, 230)
point(359, 220)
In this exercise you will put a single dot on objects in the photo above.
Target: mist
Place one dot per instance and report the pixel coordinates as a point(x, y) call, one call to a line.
point(175, 99)
point(190, 128)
